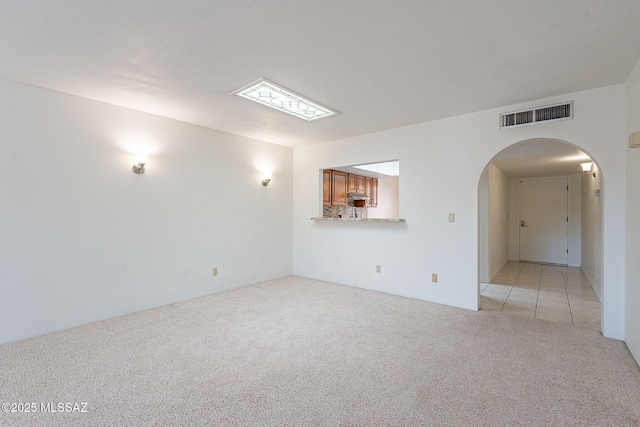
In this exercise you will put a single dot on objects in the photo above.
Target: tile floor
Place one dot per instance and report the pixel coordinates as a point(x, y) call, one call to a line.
point(540, 291)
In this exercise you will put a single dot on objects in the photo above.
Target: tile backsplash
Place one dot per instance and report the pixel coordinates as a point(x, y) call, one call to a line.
point(343, 212)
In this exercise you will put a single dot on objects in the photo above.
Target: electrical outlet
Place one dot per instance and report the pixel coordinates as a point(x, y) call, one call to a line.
point(378, 268)
point(452, 217)
point(434, 278)
point(215, 271)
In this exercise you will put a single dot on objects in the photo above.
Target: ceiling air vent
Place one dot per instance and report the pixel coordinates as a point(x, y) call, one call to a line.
point(549, 113)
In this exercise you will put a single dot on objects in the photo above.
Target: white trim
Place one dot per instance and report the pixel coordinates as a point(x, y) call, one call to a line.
point(493, 275)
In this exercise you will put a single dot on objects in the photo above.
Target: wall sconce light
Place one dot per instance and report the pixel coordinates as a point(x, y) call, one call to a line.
point(266, 179)
point(587, 168)
point(141, 160)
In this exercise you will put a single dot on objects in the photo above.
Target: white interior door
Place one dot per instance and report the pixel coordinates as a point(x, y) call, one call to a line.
point(544, 220)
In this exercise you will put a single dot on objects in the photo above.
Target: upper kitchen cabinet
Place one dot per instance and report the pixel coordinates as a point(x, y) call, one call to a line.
point(374, 192)
point(326, 188)
point(380, 182)
point(336, 186)
point(367, 189)
point(361, 184)
point(371, 191)
point(339, 184)
point(353, 183)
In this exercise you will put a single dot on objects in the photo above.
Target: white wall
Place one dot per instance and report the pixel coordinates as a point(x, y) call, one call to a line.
point(592, 230)
point(498, 231)
point(514, 219)
point(83, 238)
point(575, 219)
point(632, 89)
point(442, 162)
point(387, 198)
point(484, 276)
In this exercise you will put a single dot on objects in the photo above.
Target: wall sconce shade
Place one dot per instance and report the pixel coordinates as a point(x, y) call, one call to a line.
point(266, 179)
point(141, 160)
point(587, 168)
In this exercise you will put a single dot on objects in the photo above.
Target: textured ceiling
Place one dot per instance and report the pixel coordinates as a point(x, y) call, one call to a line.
point(382, 64)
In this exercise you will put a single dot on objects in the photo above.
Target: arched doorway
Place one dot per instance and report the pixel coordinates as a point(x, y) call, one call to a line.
point(565, 289)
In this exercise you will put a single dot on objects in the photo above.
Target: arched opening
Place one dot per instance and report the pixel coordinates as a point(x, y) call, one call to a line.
point(540, 233)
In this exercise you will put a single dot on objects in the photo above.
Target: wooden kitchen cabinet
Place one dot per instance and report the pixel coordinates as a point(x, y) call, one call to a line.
point(361, 183)
point(326, 188)
point(367, 189)
point(352, 187)
point(373, 197)
point(339, 188)
point(337, 185)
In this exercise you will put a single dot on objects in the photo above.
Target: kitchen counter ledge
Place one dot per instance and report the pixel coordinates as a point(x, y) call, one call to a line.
point(360, 219)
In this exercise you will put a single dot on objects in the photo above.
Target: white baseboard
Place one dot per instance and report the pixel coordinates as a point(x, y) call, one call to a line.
point(595, 291)
point(495, 273)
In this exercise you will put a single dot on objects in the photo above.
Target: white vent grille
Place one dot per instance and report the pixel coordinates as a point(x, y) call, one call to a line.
point(549, 113)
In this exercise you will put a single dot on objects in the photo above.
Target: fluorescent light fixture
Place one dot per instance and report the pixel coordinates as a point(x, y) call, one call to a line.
point(384, 168)
point(270, 94)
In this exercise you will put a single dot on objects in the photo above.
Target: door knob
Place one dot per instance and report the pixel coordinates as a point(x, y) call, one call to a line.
point(523, 224)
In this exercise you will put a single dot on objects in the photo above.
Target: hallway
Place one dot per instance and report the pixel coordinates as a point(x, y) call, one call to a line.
point(547, 292)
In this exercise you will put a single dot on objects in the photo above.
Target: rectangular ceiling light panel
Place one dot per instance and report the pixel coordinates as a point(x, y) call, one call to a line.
point(268, 93)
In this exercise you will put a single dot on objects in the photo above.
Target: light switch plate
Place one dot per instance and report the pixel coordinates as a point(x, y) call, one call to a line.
point(452, 217)
point(634, 140)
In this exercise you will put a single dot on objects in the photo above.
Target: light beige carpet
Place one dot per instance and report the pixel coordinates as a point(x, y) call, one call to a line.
point(299, 352)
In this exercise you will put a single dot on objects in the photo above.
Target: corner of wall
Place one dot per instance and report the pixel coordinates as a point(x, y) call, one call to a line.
point(632, 228)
